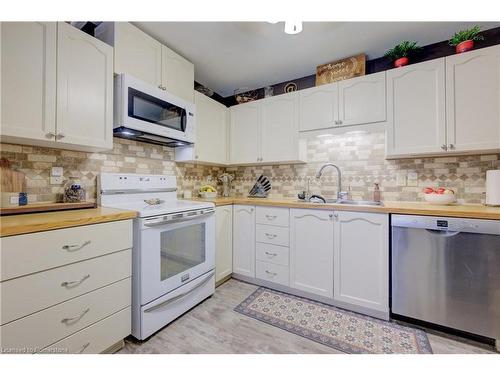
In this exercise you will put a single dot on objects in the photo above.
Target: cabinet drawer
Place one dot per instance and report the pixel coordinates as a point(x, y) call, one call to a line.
point(273, 216)
point(272, 235)
point(272, 254)
point(55, 323)
point(29, 294)
point(35, 252)
point(96, 338)
point(272, 272)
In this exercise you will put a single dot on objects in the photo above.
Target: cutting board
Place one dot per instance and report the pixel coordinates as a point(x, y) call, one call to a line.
point(44, 207)
point(11, 181)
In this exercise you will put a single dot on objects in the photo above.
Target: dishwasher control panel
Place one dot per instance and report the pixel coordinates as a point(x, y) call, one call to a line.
point(451, 224)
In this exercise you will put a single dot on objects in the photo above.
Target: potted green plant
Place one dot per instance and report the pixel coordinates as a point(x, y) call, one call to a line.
point(463, 40)
point(400, 54)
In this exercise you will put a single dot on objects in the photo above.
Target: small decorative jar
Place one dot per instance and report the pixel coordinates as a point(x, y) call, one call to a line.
point(73, 191)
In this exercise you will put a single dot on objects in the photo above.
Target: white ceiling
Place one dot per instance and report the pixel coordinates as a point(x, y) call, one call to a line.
point(229, 55)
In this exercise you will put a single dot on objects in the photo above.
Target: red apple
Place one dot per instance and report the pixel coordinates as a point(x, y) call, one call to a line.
point(440, 190)
point(429, 190)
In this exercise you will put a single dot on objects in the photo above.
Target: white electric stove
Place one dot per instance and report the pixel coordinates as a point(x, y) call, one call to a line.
point(174, 247)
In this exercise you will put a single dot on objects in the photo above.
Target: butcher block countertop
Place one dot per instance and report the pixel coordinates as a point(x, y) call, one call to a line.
point(473, 211)
point(38, 222)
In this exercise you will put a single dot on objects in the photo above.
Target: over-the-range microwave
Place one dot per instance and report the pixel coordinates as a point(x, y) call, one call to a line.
point(149, 114)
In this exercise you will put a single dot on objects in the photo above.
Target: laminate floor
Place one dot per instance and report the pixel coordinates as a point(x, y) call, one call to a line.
point(213, 327)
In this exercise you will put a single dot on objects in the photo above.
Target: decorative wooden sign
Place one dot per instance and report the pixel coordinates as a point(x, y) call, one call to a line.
point(342, 69)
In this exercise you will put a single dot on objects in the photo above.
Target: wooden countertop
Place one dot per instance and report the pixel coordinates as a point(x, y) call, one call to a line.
point(473, 211)
point(38, 222)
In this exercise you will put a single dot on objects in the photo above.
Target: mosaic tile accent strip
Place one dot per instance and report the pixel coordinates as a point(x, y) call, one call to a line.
point(339, 329)
point(360, 155)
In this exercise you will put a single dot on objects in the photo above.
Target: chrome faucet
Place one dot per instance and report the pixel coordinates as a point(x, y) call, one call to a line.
point(341, 195)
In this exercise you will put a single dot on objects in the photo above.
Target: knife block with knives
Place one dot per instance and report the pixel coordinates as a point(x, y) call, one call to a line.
point(261, 188)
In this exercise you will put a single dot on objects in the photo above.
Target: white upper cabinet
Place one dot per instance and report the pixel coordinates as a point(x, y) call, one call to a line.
point(266, 132)
point(144, 57)
point(245, 133)
point(28, 81)
point(211, 143)
point(136, 53)
point(244, 240)
point(224, 242)
point(177, 74)
point(65, 78)
point(361, 262)
point(84, 90)
point(318, 107)
point(311, 251)
point(473, 100)
point(416, 116)
point(362, 100)
point(279, 135)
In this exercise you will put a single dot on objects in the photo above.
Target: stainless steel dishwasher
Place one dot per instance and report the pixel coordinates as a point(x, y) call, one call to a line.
point(446, 271)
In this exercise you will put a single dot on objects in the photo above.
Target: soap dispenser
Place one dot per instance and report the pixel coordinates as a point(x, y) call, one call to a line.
point(376, 193)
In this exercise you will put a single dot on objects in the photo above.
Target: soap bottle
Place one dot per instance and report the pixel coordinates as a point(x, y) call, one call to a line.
point(376, 193)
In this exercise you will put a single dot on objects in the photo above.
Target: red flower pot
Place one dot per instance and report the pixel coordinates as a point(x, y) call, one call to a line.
point(465, 46)
point(401, 62)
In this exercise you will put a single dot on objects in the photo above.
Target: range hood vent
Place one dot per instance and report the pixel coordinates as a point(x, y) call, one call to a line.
point(126, 133)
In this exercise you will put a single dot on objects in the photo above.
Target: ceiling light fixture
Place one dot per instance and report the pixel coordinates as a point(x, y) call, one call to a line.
point(293, 27)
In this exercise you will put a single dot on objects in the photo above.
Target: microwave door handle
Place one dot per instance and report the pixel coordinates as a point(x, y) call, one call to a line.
point(183, 120)
point(178, 297)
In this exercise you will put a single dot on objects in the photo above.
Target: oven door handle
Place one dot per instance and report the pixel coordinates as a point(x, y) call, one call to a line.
point(182, 295)
point(172, 221)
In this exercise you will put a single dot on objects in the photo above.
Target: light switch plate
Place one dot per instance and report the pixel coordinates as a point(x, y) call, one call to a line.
point(56, 172)
point(56, 180)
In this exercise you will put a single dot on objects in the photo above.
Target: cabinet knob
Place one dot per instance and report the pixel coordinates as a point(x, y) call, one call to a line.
point(60, 135)
point(196, 156)
point(451, 146)
point(444, 147)
point(340, 122)
point(50, 135)
point(160, 87)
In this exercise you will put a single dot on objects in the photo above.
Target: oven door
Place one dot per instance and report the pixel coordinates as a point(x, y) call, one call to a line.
point(175, 253)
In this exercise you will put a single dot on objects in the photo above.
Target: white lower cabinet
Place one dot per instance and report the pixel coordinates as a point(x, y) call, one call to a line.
point(244, 240)
point(73, 294)
point(311, 251)
point(361, 260)
point(224, 242)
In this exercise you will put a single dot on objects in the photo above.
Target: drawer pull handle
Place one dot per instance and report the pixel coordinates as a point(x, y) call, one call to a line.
point(271, 217)
point(83, 348)
point(75, 247)
point(271, 273)
point(71, 284)
point(271, 254)
point(270, 235)
point(75, 319)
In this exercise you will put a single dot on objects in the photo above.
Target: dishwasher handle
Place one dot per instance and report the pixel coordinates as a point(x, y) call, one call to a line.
point(443, 233)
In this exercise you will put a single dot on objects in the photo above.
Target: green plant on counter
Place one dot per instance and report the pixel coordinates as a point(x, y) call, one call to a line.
point(403, 49)
point(468, 34)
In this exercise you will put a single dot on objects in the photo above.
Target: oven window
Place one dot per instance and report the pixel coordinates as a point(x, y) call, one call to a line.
point(182, 249)
point(151, 109)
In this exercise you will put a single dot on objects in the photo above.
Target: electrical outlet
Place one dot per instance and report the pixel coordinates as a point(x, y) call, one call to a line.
point(54, 180)
point(401, 179)
point(56, 172)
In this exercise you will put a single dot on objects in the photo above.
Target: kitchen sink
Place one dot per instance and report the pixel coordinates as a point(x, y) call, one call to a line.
point(348, 201)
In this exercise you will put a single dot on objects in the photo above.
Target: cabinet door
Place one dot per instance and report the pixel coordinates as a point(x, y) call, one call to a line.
point(177, 74)
point(245, 133)
point(473, 100)
point(318, 107)
point(211, 130)
point(84, 89)
point(136, 53)
point(361, 259)
point(279, 128)
point(416, 121)
point(244, 240)
point(224, 242)
point(311, 251)
point(28, 81)
point(362, 100)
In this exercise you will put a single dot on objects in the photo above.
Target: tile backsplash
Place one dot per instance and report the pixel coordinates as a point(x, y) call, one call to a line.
point(360, 155)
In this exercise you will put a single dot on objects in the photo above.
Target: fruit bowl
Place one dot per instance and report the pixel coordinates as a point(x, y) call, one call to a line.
point(440, 195)
point(208, 194)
